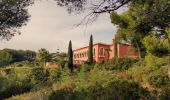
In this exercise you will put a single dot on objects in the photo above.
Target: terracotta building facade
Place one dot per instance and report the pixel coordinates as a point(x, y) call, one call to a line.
point(102, 52)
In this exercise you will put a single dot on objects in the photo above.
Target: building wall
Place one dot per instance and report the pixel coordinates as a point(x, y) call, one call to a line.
point(100, 56)
point(81, 55)
point(125, 50)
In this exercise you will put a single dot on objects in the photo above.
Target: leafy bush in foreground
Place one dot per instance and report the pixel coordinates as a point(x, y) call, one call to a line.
point(119, 64)
point(115, 90)
point(165, 94)
point(39, 75)
point(14, 89)
point(158, 78)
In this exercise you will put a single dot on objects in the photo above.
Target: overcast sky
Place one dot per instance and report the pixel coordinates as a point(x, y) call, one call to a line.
point(51, 27)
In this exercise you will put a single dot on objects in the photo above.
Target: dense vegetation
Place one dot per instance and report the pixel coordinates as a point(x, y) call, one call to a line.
point(8, 56)
point(115, 79)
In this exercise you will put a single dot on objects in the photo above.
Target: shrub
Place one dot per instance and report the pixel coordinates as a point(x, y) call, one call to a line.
point(39, 75)
point(62, 63)
point(158, 78)
point(119, 64)
point(64, 95)
point(155, 62)
point(125, 90)
point(55, 74)
point(10, 86)
point(116, 90)
point(15, 89)
point(165, 94)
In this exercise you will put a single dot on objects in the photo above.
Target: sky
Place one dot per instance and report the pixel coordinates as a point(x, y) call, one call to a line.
point(51, 27)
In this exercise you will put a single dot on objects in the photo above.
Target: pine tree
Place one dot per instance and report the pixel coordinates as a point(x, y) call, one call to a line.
point(70, 56)
point(90, 56)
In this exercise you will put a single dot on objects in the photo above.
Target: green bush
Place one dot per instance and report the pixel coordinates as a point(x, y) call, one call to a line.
point(165, 94)
point(155, 62)
point(119, 64)
point(62, 63)
point(115, 90)
point(158, 78)
point(5, 58)
point(39, 75)
point(12, 85)
point(55, 74)
point(14, 89)
point(126, 90)
point(66, 95)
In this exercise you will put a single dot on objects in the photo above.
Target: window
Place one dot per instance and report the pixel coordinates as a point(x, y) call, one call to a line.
point(80, 55)
point(74, 56)
point(84, 53)
point(77, 55)
point(93, 51)
point(101, 52)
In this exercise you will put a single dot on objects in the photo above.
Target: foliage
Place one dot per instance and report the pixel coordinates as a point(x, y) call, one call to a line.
point(116, 89)
point(155, 62)
point(139, 22)
point(119, 63)
point(39, 75)
point(155, 46)
point(59, 56)
point(15, 89)
point(55, 74)
point(14, 14)
point(165, 94)
point(44, 56)
point(5, 58)
point(63, 94)
point(70, 56)
point(97, 81)
point(8, 56)
point(14, 81)
point(158, 78)
point(90, 55)
point(62, 63)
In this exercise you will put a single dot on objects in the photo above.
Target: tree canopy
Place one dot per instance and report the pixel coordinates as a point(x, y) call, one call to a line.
point(142, 19)
point(44, 56)
point(13, 15)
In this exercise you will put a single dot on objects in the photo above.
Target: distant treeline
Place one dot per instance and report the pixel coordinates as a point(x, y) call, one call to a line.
point(8, 56)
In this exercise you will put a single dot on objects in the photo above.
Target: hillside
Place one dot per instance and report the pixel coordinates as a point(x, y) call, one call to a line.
point(119, 79)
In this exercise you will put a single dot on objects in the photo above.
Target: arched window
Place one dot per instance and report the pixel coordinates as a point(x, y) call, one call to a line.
point(101, 52)
point(77, 55)
point(80, 55)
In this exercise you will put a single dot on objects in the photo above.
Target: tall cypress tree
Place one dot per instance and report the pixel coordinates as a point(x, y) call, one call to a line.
point(90, 56)
point(115, 47)
point(70, 56)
